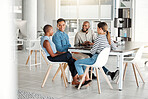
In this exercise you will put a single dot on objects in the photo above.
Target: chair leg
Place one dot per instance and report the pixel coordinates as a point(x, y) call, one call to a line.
point(62, 70)
point(124, 71)
point(106, 78)
point(91, 73)
point(44, 57)
point(65, 66)
point(29, 57)
point(83, 78)
point(36, 58)
point(139, 72)
point(56, 73)
point(99, 89)
point(46, 76)
point(135, 74)
point(117, 81)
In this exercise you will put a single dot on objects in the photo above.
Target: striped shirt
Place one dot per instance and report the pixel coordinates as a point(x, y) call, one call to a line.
point(101, 42)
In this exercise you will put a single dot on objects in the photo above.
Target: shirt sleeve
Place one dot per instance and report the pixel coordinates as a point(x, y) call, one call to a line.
point(93, 36)
point(77, 42)
point(58, 43)
point(69, 45)
point(113, 45)
point(95, 46)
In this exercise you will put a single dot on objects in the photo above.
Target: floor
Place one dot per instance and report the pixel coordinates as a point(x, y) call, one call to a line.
point(31, 80)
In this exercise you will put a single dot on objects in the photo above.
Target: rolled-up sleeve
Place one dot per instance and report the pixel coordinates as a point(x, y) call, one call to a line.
point(93, 36)
point(57, 41)
point(77, 42)
point(113, 45)
point(69, 45)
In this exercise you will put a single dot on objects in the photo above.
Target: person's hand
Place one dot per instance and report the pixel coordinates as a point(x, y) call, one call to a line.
point(90, 43)
point(60, 52)
point(75, 52)
point(86, 42)
point(63, 52)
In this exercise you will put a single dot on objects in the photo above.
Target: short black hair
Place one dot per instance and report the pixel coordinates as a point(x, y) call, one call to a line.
point(46, 28)
point(60, 20)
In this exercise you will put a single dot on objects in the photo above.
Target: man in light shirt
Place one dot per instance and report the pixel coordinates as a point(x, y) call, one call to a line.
point(85, 36)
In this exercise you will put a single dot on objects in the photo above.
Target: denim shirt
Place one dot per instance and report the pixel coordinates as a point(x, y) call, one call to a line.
point(61, 40)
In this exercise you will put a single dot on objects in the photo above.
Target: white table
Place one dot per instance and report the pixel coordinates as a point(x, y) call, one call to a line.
point(122, 50)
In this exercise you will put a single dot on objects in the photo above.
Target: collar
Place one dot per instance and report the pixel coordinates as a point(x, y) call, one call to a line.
point(60, 31)
point(101, 35)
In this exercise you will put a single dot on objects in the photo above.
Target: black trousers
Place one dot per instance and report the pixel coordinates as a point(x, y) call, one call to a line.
point(66, 57)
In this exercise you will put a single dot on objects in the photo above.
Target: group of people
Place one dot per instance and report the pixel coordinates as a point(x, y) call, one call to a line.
point(57, 49)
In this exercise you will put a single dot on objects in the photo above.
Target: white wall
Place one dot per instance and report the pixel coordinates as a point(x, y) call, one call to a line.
point(48, 10)
point(85, 11)
point(69, 12)
point(141, 20)
point(88, 11)
point(51, 10)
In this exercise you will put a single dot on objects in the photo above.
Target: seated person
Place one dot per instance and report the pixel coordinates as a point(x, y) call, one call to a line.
point(102, 41)
point(61, 40)
point(55, 56)
point(85, 36)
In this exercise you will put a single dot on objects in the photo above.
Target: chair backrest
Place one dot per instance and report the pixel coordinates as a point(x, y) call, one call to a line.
point(138, 54)
point(33, 44)
point(102, 58)
point(50, 62)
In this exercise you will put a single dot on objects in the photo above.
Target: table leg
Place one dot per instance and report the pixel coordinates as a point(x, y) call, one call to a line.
point(118, 62)
point(120, 72)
